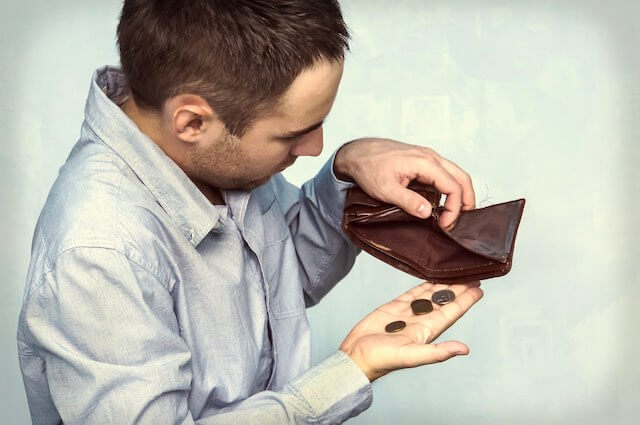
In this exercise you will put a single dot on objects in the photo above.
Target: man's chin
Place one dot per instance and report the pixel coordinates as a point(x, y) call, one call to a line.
point(244, 185)
point(253, 184)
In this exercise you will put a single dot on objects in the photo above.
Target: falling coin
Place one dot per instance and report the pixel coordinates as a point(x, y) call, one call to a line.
point(395, 326)
point(442, 297)
point(421, 306)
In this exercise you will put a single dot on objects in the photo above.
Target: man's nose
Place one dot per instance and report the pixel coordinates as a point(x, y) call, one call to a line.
point(310, 145)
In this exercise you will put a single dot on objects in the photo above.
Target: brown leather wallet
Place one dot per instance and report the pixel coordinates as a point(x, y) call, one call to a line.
point(480, 246)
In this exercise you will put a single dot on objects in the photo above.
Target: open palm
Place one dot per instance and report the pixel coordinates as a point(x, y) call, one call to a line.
point(378, 352)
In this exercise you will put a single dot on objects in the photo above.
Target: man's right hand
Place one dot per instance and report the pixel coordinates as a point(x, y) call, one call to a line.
point(378, 352)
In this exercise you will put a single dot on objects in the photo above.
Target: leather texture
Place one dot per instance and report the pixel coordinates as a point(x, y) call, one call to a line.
point(480, 246)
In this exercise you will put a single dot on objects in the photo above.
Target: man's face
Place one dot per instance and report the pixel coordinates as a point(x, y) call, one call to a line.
point(273, 143)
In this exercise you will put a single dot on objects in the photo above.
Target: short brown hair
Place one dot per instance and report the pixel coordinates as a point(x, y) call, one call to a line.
point(239, 55)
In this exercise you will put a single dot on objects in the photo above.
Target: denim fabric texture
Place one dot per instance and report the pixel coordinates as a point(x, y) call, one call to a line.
point(146, 304)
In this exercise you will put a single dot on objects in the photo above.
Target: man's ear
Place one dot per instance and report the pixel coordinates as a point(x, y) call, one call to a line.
point(192, 120)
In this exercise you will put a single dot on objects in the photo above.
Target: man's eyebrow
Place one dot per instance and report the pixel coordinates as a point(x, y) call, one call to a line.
point(298, 133)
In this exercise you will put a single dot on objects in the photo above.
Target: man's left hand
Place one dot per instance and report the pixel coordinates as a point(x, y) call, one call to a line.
point(384, 168)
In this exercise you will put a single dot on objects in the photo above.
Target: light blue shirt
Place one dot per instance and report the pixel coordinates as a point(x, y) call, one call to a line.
point(147, 304)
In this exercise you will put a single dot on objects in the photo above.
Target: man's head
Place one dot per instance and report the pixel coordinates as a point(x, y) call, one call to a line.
point(227, 81)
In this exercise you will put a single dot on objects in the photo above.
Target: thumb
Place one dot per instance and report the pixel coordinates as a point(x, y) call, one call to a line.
point(422, 354)
point(408, 200)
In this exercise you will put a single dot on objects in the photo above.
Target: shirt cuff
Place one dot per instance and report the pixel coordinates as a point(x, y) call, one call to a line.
point(335, 389)
point(331, 191)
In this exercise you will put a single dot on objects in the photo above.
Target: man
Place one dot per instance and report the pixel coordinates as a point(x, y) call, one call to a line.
point(172, 263)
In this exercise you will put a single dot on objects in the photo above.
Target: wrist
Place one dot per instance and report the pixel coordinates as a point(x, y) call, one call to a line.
point(341, 165)
point(359, 361)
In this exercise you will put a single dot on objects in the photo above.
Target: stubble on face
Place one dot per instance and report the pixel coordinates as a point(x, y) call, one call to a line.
point(245, 163)
point(223, 165)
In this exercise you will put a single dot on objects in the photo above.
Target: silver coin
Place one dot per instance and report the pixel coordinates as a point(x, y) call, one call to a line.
point(444, 296)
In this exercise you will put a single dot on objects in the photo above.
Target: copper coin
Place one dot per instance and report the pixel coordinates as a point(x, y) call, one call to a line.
point(444, 296)
point(396, 326)
point(421, 306)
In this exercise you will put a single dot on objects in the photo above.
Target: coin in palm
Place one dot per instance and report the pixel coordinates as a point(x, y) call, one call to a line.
point(421, 306)
point(396, 326)
point(444, 296)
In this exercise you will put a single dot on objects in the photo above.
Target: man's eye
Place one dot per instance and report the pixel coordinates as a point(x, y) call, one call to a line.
point(293, 138)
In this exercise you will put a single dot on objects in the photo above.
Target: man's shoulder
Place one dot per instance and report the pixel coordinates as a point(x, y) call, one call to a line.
point(95, 195)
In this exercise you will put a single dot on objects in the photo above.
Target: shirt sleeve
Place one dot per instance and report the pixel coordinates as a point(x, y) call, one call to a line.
point(314, 216)
point(109, 339)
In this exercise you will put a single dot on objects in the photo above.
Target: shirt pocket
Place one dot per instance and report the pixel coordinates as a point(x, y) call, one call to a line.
point(281, 266)
point(275, 229)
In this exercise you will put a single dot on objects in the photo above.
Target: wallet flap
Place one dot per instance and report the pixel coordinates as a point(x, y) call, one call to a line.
point(489, 231)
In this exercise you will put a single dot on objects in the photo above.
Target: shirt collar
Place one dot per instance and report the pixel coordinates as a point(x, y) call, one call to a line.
point(187, 207)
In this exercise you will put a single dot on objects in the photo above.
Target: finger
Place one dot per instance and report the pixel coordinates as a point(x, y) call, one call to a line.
point(451, 312)
point(445, 316)
point(426, 328)
point(464, 180)
point(424, 291)
point(399, 304)
point(440, 178)
point(459, 288)
point(413, 355)
point(420, 290)
point(408, 200)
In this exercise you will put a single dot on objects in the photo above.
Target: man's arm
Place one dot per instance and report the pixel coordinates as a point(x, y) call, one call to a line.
point(383, 168)
point(314, 216)
point(112, 350)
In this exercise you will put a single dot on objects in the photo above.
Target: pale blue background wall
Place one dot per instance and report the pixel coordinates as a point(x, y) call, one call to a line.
point(535, 99)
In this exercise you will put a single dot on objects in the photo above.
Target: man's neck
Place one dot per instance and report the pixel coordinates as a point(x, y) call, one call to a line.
point(149, 124)
point(213, 194)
